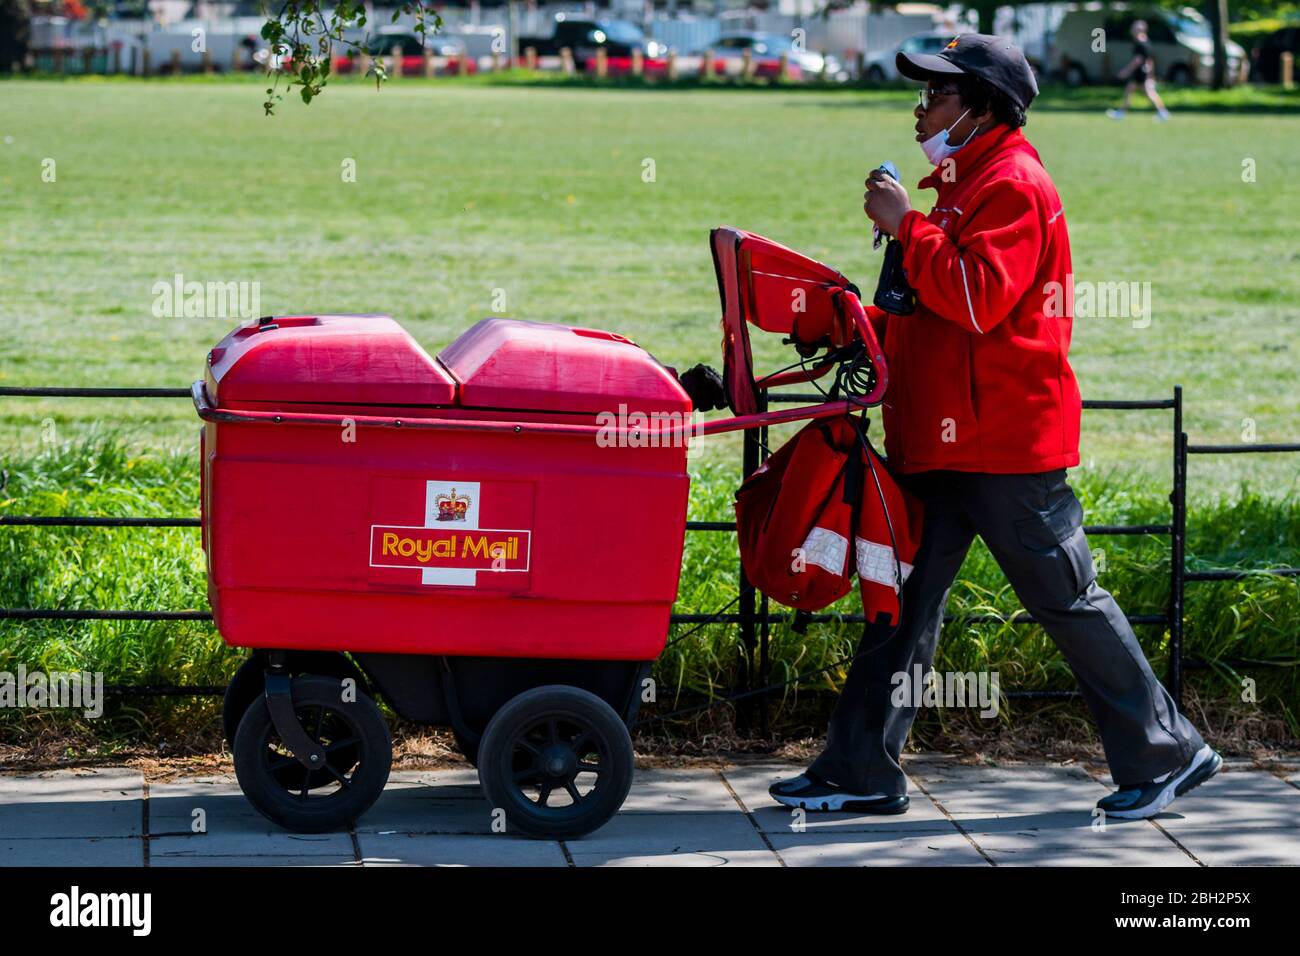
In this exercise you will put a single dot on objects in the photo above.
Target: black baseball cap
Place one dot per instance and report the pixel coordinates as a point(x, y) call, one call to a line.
point(996, 60)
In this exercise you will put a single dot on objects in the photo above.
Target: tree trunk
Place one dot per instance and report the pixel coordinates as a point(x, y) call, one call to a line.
point(15, 30)
point(1218, 17)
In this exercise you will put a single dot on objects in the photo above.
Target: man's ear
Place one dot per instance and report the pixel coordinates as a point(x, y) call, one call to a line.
point(985, 122)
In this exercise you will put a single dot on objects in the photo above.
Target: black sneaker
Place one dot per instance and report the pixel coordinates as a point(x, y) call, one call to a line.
point(1138, 801)
point(811, 792)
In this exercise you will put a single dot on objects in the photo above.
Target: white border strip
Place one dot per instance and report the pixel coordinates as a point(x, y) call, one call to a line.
point(969, 308)
point(422, 567)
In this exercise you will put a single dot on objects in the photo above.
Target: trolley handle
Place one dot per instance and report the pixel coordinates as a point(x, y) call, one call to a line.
point(683, 428)
point(853, 305)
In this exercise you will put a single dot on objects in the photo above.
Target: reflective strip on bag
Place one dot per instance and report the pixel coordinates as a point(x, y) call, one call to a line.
point(876, 563)
point(826, 549)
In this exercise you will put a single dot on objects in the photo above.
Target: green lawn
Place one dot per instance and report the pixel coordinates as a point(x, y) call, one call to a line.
point(462, 189)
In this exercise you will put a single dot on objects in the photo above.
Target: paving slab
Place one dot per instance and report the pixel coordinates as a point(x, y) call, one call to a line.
point(1006, 815)
point(1240, 799)
point(71, 803)
point(1069, 840)
point(72, 851)
point(404, 849)
point(880, 848)
point(180, 851)
point(187, 806)
point(435, 802)
point(673, 839)
point(1243, 817)
point(687, 790)
point(1009, 792)
point(219, 845)
point(1247, 846)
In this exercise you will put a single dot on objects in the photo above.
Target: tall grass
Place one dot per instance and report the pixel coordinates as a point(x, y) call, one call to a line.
point(1254, 619)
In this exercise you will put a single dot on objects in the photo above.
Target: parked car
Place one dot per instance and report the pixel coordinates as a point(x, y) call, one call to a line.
point(447, 51)
point(1267, 53)
point(766, 50)
point(879, 67)
point(1181, 43)
point(619, 38)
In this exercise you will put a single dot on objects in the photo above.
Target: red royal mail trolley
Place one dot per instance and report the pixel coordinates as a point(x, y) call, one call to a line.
point(488, 540)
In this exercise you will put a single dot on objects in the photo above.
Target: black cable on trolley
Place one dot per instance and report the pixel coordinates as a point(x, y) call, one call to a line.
point(850, 378)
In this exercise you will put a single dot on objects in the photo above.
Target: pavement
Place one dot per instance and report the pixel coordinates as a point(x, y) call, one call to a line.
point(979, 816)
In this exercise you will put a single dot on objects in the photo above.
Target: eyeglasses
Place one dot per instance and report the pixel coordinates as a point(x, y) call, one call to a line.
point(928, 96)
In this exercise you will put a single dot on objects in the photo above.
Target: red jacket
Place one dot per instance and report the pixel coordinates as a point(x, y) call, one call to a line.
point(978, 374)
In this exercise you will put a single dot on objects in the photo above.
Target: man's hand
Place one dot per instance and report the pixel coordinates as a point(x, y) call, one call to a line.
point(886, 202)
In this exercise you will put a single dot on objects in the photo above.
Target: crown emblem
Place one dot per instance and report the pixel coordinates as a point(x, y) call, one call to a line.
point(952, 43)
point(452, 507)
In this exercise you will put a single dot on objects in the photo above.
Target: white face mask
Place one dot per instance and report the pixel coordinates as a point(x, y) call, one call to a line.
point(937, 148)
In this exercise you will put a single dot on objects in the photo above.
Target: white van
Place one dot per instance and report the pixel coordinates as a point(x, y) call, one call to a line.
point(1181, 43)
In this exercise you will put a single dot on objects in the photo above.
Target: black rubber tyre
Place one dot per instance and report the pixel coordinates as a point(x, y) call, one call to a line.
point(359, 755)
point(543, 741)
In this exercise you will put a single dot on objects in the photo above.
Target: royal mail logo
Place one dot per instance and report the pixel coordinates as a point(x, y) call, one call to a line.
point(453, 507)
point(451, 548)
point(395, 546)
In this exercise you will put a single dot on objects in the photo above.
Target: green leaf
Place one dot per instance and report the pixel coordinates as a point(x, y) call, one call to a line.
point(305, 33)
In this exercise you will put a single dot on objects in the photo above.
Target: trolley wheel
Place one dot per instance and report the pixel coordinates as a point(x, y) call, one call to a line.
point(358, 749)
point(247, 684)
point(558, 760)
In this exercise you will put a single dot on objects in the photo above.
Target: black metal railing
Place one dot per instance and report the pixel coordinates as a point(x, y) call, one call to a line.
point(754, 615)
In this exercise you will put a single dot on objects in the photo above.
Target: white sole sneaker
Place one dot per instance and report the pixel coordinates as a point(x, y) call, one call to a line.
point(840, 801)
point(834, 801)
point(1170, 788)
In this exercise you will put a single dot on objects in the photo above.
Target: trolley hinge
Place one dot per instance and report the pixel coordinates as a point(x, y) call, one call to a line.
point(279, 700)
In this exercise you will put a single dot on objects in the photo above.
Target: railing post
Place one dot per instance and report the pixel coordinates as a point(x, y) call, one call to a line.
point(1177, 554)
point(749, 464)
point(764, 628)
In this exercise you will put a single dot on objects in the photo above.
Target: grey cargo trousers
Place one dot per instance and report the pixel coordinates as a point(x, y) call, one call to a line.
point(1033, 526)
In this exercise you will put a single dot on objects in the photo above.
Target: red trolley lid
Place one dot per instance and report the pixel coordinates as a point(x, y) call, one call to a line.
point(535, 366)
point(333, 359)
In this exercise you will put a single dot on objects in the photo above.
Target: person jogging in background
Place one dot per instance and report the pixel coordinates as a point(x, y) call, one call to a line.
point(1141, 69)
point(981, 421)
